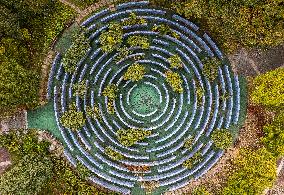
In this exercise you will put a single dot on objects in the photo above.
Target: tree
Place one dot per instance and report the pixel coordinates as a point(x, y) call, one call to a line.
point(138, 41)
point(18, 86)
point(175, 61)
point(174, 81)
point(28, 176)
point(274, 136)
point(254, 172)
point(9, 24)
point(268, 89)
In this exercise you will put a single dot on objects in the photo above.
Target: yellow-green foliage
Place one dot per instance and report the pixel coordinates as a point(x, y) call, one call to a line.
point(139, 41)
point(135, 72)
point(164, 29)
point(111, 38)
point(222, 138)
point(210, 68)
point(80, 89)
point(188, 143)
point(130, 136)
point(199, 91)
point(255, 172)
point(72, 118)
point(78, 49)
point(133, 19)
point(175, 61)
point(123, 52)
point(274, 136)
point(268, 89)
point(114, 155)
point(200, 191)
point(189, 163)
point(93, 112)
point(110, 92)
point(175, 81)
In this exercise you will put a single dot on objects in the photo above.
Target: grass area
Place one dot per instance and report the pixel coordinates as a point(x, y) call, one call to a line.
point(43, 118)
point(83, 3)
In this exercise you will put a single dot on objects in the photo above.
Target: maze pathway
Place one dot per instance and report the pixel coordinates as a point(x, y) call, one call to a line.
point(171, 117)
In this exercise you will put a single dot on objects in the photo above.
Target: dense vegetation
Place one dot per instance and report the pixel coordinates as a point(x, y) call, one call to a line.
point(135, 72)
point(253, 23)
point(129, 137)
point(222, 138)
point(72, 118)
point(255, 171)
point(28, 29)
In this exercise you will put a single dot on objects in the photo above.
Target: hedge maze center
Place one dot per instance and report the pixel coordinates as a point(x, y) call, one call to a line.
point(149, 127)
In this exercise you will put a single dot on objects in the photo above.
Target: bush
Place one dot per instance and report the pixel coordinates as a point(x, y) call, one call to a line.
point(112, 38)
point(28, 176)
point(110, 92)
point(135, 72)
point(222, 138)
point(72, 118)
point(130, 136)
point(74, 54)
point(188, 143)
point(199, 91)
point(274, 136)
point(200, 191)
point(94, 112)
point(268, 89)
point(134, 19)
point(175, 61)
point(189, 163)
point(174, 81)
point(123, 53)
point(138, 41)
point(114, 155)
point(210, 68)
point(255, 172)
point(164, 29)
point(80, 89)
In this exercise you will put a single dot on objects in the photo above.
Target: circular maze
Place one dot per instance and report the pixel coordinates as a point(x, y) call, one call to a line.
point(148, 104)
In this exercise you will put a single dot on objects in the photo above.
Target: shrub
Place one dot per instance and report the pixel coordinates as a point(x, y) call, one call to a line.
point(199, 91)
point(72, 118)
point(94, 112)
point(74, 54)
point(268, 89)
point(255, 172)
point(110, 92)
point(28, 176)
point(188, 143)
point(200, 191)
point(164, 29)
point(189, 163)
point(80, 89)
point(210, 68)
point(112, 38)
point(222, 138)
point(123, 53)
point(135, 72)
point(133, 19)
point(174, 81)
point(139, 41)
point(175, 61)
point(130, 136)
point(114, 155)
point(274, 136)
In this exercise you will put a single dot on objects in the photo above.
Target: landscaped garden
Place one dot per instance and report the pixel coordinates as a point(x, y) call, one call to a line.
point(143, 98)
point(136, 98)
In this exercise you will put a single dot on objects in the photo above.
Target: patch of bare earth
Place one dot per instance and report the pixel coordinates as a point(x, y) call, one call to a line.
point(5, 160)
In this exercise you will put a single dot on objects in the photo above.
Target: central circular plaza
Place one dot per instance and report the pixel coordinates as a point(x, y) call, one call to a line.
point(145, 99)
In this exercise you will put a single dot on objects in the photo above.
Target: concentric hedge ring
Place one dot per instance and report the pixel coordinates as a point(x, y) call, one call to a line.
point(172, 117)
